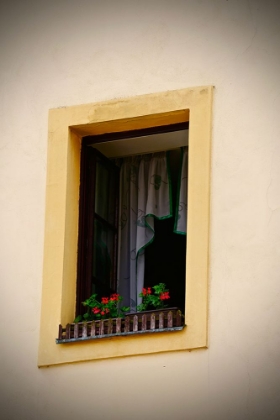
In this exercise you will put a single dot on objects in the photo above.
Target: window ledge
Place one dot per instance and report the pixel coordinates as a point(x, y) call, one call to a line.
point(163, 320)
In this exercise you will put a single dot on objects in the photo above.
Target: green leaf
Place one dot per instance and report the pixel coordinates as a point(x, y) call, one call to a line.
point(125, 308)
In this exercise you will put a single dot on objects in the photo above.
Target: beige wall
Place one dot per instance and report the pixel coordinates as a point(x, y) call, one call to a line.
point(67, 53)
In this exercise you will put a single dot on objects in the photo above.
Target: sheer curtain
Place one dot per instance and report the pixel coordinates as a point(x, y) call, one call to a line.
point(145, 193)
point(180, 225)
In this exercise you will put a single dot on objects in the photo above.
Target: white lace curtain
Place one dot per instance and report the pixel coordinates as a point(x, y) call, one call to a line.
point(145, 193)
point(180, 225)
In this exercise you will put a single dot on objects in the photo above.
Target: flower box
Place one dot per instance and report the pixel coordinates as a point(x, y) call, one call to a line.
point(154, 321)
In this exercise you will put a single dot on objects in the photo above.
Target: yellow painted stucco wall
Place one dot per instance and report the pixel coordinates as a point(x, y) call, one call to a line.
point(65, 54)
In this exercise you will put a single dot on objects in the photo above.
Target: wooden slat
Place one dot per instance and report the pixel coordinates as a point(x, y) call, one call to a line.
point(110, 326)
point(101, 327)
point(67, 335)
point(135, 323)
point(144, 322)
point(170, 319)
point(161, 320)
point(84, 330)
point(60, 332)
point(153, 321)
point(92, 329)
point(118, 325)
point(178, 319)
point(126, 324)
point(76, 330)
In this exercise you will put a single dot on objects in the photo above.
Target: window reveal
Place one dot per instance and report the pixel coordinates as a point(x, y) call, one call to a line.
point(163, 248)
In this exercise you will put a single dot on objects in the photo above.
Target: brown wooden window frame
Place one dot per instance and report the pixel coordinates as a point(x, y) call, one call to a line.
point(87, 217)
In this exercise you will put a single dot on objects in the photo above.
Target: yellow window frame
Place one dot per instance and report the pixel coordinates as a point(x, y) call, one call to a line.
point(67, 126)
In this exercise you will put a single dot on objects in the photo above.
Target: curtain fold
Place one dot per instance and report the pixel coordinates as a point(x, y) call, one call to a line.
point(127, 230)
point(180, 224)
point(145, 194)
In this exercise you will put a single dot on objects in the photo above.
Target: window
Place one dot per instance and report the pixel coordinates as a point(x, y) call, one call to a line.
point(101, 262)
point(67, 127)
point(98, 227)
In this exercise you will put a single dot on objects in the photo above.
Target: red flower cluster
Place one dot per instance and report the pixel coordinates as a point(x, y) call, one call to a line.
point(95, 310)
point(153, 297)
point(164, 296)
point(147, 291)
point(114, 297)
point(105, 311)
point(107, 305)
point(104, 300)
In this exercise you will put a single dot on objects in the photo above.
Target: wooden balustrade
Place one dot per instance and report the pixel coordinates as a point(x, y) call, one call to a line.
point(170, 319)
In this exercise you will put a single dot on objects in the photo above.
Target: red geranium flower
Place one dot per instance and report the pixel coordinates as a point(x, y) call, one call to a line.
point(114, 297)
point(95, 310)
point(164, 296)
point(144, 291)
point(149, 290)
point(104, 300)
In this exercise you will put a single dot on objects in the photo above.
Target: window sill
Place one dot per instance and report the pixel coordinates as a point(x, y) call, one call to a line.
point(163, 320)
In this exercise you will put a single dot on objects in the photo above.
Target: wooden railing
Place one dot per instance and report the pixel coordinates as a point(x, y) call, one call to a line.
point(170, 319)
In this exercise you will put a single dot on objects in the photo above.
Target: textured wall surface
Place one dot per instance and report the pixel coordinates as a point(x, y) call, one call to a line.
point(62, 53)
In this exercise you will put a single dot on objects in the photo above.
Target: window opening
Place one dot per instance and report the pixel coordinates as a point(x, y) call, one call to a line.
point(165, 256)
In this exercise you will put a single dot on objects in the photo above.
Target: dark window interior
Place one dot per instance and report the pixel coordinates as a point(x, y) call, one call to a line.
point(165, 257)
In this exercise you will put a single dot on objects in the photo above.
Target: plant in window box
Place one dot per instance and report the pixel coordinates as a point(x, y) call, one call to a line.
point(154, 299)
point(106, 318)
point(108, 308)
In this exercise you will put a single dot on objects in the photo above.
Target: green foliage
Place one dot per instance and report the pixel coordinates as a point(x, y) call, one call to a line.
point(78, 318)
point(108, 307)
point(152, 300)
